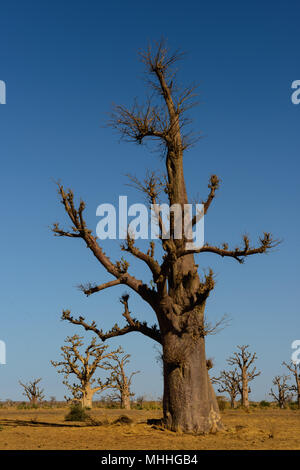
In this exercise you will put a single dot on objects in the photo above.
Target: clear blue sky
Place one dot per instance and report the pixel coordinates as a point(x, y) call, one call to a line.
point(64, 64)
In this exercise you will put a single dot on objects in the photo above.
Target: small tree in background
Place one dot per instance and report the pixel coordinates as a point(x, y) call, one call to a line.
point(229, 382)
point(295, 370)
point(244, 360)
point(120, 381)
point(33, 392)
point(52, 400)
point(282, 394)
point(84, 366)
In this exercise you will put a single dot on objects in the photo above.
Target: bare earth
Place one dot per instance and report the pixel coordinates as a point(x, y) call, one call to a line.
point(46, 429)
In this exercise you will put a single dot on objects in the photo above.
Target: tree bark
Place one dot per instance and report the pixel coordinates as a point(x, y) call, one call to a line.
point(298, 389)
point(125, 400)
point(232, 402)
point(87, 398)
point(245, 395)
point(189, 400)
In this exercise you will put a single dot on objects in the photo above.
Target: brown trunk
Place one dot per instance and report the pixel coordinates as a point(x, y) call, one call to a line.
point(189, 400)
point(125, 400)
point(232, 402)
point(245, 397)
point(298, 389)
point(87, 397)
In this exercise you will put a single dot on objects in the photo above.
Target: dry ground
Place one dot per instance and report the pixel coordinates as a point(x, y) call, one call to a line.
point(46, 429)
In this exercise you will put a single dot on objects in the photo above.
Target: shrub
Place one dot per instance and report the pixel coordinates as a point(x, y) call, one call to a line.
point(264, 404)
point(222, 403)
point(77, 413)
point(293, 405)
point(27, 406)
point(22, 406)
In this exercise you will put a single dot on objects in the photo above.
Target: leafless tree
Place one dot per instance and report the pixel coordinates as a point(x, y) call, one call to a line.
point(53, 400)
point(244, 360)
point(228, 382)
point(33, 392)
point(84, 366)
point(295, 370)
point(120, 381)
point(282, 394)
point(177, 293)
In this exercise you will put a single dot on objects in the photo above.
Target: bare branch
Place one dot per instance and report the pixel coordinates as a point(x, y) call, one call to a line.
point(214, 184)
point(133, 325)
point(80, 230)
point(84, 366)
point(266, 243)
point(34, 393)
point(120, 381)
point(90, 288)
point(282, 394)
point(212, 329)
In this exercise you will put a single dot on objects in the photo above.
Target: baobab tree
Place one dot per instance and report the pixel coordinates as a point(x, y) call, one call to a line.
point(295, 370)
point(120, 381)
point(177, 292)
point(228, 382)
point(282, 394)
point(244, 359)
point(33, 392)
point(84, 366)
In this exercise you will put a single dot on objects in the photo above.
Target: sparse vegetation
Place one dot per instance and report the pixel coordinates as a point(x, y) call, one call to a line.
point(264, 404)
point(269, 428)
point(77, 413)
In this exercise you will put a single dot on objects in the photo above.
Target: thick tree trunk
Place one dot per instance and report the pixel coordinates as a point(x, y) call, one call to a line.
point(298, 390)
point(245, 396)
point(232, 402)
point(189, 400)
point(125, 400)
point(87, 398)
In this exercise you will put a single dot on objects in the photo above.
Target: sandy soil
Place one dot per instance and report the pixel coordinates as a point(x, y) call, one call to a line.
point(46, 429)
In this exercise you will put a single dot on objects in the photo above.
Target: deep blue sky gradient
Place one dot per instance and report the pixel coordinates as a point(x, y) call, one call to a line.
point(64, 64)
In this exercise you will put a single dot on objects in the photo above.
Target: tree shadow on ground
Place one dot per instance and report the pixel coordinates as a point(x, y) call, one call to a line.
point(35, 423)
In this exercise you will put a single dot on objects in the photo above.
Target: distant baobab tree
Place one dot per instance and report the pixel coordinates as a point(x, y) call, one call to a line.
point(281, 395)
point(295, 370)
point(228, 382)
point(83, 367)
point(120, 381)
point(244, 359)
point(177, 292)
point(33, 392)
